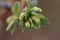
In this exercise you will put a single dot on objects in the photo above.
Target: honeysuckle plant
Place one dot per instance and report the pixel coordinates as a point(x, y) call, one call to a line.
point(30, 16)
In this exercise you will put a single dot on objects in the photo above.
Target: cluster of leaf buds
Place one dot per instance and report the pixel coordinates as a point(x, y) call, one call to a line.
point(30, 17)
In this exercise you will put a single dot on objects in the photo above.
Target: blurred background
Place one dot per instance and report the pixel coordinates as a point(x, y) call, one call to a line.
point(51, 9)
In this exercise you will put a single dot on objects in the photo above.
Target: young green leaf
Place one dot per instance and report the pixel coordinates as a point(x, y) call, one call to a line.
point(44, 21)
point(24, 28)
point(30, 20)
point(27, 12)
point(21, 17)
point(16, 8)
point(10, 18)
point(12, 30)
point(36, 19)
point(36, 25)
point(36, 10)
point(11, 26)
point(39, 15)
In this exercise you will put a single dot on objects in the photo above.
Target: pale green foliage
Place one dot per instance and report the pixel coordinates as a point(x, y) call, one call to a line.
point(31, 17)
point(16, 8)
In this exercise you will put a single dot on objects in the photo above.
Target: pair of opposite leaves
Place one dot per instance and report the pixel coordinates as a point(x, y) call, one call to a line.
point(13, 21)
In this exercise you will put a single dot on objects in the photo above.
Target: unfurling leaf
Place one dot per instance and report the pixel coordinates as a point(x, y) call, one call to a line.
point(10, 18)
point(21, 16)
point(16, 8)
point(36, 25)
point(43, 19)
point(36, 19)
point(37, 10)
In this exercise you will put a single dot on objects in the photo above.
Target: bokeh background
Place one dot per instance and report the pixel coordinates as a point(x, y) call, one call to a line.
point(51, 9)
